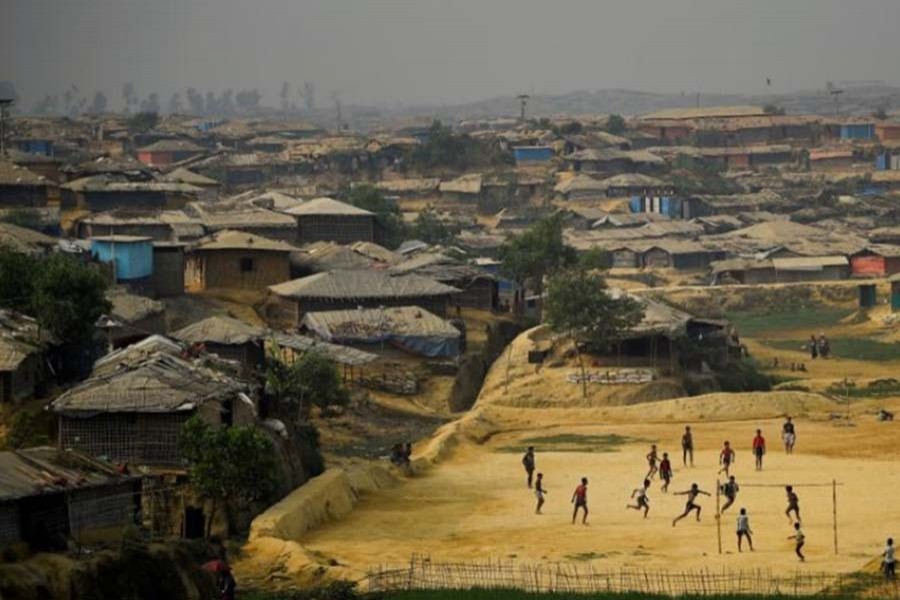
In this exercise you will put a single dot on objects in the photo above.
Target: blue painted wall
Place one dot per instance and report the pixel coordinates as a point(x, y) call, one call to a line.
point(133, 260)
point(44, 147)
point(667, 205)
point(532, 153)
point(857, 132)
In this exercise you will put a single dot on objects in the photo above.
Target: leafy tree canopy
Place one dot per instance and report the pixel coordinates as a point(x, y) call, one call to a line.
point(64, 295)
point(430, 229)
point(370, 198)
point(143, 121)
point(445, 149)
point(540, 250)
point(312, 380)
point(615, 124)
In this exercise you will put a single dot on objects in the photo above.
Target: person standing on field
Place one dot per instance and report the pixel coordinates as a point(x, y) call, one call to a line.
point(528, 463)
point(759, 449)
point(652, 459)
point(889, 563)
point(687, 446)
point(665, 471)
point(743, 530)
point(726, 458)
point(579, 499)
point(789, 435)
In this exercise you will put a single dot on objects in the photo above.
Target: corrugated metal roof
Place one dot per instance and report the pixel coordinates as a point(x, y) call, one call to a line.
point(44, 470)
point(705, 112)
point(808, 263)
point(464, 184)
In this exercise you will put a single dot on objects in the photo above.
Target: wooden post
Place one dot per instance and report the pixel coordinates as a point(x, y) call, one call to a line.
point(718, 515)
point(834, 512)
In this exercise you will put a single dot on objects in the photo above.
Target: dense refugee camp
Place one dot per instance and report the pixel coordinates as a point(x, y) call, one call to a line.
point(449, 299)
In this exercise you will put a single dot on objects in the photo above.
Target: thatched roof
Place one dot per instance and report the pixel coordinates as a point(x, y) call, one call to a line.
point(241, 240)
point(375, 324)
point(46, 470)
point(219, 330)
point(21, 239)
point(350, 285)
point(13, 174)
point(161, 383)
point(327, 206)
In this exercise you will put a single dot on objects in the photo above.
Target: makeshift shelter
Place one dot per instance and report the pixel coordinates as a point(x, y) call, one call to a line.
point(336, 290)
point(134, 413)
point(26, 241)
point(227, 338)
point(410, 328)
point(22, 349)
point(237, 260)
point(326, 219)
point(137, 317)
point(478, 288)
point(48, 497)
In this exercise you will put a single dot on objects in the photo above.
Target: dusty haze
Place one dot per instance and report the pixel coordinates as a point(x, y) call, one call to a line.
point(393, 53)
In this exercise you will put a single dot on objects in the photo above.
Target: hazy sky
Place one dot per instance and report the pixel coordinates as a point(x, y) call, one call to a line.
point(390, 52)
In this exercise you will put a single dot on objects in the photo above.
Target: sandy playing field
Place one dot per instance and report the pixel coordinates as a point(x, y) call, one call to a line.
point(476, 505)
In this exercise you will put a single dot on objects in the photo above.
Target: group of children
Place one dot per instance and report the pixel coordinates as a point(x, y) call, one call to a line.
point(662, 467)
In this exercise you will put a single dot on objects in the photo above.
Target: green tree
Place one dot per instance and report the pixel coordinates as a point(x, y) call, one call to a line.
point(445, 149)
point(143, 121)
point(595, 259)
point(386, 211)
point(312, 380)
point(429, 228)
point(230, 466)
point(530, 256)
point(67, 297)
point(880, 114)
point(615, 124)
point(17, 271)
point(580, 306)
point(771, 109)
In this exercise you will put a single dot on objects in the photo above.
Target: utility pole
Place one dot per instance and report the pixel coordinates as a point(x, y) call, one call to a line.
point(523, 101)
point(836, 94)
point(337, 106)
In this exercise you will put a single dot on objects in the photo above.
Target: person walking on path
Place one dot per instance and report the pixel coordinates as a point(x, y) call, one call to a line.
point(665, 471)
point(687, 446)
point(726, 458)
point(528, 463)
point(793, 503)
point(799, 541)
point(813, 346)
point(539, 492)
point(643, 502)
point(652, 459)
point(889, 563)
point(759, 449)
point(743, 530)
point(579, 499)
point(824, 346)
point(691, 504)
point(789, 435)
point(729, 489)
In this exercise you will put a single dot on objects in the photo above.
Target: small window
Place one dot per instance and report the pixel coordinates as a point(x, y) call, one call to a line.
point(246, 265)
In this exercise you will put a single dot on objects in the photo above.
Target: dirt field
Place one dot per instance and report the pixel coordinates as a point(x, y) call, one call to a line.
point(475, 505)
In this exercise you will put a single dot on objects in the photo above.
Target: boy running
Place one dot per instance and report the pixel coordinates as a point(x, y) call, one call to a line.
point(539, 492)
point(759, 449)
point(687, 446)
point(642, 500)
point(652, 458)
point(789, 435)
point(579, 499)
point(665, 471)
point(726, 458)
point(800, 541)
point(793, 504)
point(691, 505)
point(729, 490)
point(743, 530)
point(528, 463)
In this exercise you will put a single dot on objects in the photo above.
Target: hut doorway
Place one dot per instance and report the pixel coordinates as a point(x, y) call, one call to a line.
point(194, 523)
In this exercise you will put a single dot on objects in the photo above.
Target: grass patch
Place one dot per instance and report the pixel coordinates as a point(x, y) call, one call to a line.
point(855, 348)
point(875, 389)
point(755, 323)
point(573, 442)
point(519, 595)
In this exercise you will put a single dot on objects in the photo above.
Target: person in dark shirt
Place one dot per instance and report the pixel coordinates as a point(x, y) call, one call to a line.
point(687, 446)
point(691, 504)
point(793, 504)
point(579, 499)
point(789, 435)
point(528, 463)
point(665, 471)
point(729, 489)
